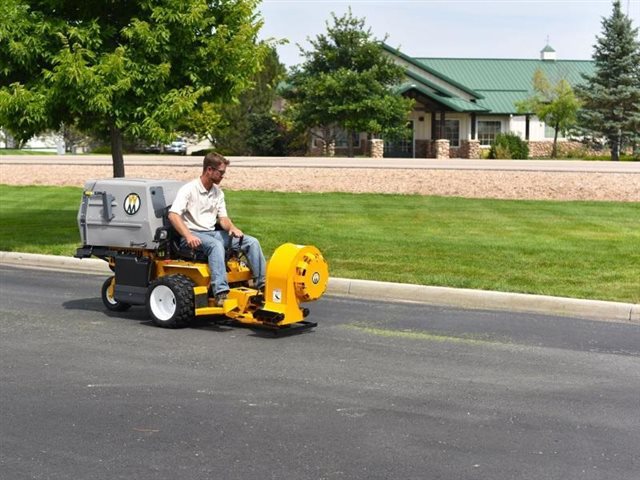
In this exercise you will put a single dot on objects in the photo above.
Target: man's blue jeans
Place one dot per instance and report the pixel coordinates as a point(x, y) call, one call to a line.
point(213, 246)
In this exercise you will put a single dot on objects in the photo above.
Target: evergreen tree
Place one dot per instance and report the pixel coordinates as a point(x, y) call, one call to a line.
point(612, 94)
point(347, 81)
point(233, 132)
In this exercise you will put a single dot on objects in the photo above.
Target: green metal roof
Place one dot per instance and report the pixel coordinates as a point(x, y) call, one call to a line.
point(502, 82)
point(426, 68)
point(506, 74)
point(502, 101)
point(456, 104)
point(461, 105)
point(431, 85)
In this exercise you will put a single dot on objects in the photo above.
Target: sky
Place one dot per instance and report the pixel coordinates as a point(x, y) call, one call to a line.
point(454, 28)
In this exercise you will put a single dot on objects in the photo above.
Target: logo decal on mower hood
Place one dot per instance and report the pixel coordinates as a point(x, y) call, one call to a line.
point(132, 204)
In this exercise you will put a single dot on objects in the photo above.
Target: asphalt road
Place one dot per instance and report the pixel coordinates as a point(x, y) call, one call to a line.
point(377, 391)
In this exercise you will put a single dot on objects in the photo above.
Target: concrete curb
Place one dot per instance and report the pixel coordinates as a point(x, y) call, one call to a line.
point(54, 262)
point(366, 289)
point(488, 300)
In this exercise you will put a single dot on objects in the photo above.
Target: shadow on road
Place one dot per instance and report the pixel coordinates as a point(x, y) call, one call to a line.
point(218, 324)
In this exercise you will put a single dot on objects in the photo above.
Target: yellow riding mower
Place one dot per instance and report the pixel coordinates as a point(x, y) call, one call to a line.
point(124, 222)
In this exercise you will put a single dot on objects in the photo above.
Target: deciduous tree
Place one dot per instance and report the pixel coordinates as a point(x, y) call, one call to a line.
point(232, 134)
point(122, 68)
point(348, 81)
point(554, 104)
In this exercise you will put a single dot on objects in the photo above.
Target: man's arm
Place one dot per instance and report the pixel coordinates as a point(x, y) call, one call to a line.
point(178, 223)
point(227, 224)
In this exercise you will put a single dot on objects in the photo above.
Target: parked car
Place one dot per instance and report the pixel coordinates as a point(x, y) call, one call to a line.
point(149, 148)
point(178, 147)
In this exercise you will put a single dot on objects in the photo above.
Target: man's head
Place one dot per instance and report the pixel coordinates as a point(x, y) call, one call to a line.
point(214, 167)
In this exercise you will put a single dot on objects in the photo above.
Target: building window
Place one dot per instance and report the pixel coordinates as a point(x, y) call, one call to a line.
point(452, 132)
point(487, 131)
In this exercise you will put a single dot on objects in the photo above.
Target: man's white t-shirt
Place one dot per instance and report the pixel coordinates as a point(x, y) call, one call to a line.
point(199, 208)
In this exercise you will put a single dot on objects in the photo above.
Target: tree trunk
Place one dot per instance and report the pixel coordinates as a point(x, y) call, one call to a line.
point(615, 148)
point(554, 150)
point(326, 137)
point(350, 143)
point(116, 152)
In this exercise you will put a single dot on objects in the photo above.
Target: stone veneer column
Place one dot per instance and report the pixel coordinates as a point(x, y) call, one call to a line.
point(472, 148)
point(331, 149)
point(442, 149)
point(376, 146)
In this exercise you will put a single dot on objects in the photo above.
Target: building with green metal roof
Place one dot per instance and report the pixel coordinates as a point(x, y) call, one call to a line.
point(467, 101)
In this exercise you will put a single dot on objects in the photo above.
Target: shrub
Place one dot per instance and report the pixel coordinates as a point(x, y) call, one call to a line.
point(266, 135)
point(607, 158)
point(509, 145)
point(572, 153)
point(103, 149)
point(275, 135)
point(500, 151)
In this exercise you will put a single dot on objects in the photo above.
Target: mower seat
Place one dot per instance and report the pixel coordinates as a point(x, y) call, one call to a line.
point(168, 238)
point(178, 250)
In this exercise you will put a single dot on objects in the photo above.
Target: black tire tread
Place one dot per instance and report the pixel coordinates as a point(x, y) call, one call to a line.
point(182, 287)
point(114, 307)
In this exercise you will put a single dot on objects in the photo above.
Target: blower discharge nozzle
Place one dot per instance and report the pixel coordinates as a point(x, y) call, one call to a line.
point(295, 274)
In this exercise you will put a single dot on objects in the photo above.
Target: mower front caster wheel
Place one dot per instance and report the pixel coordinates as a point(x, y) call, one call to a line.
point(170, 301)
point(107, 297)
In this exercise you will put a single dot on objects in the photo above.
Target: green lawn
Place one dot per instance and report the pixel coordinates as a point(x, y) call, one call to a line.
point(15, 151)
point(574, 249)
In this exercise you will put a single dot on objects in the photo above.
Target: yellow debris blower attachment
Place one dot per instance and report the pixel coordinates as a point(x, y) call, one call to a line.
point(123, 221)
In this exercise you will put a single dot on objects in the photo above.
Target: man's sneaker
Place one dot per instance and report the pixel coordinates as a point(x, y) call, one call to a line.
point(220, 298)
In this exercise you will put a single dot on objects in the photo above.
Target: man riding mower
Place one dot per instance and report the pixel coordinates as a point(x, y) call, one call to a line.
point(125, 222)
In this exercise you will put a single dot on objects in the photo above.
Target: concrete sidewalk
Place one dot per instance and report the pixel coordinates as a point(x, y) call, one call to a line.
point(365, 289)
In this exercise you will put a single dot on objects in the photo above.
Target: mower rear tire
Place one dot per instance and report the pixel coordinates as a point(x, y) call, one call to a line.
point(107, 297)
point(170, 301)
